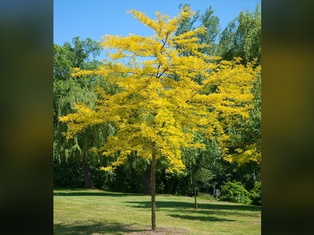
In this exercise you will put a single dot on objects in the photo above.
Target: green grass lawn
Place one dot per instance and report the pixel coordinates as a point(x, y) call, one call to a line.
point(100, 212)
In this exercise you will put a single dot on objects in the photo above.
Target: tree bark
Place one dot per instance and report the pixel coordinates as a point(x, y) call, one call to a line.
point(88, 176)
point(152, 183)
point(194, 188)
point(196, 206)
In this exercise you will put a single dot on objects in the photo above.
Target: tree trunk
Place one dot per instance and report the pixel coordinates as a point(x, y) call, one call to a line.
point(194, 188)
point(196, 206)
point(152, 183)
point(88, 176)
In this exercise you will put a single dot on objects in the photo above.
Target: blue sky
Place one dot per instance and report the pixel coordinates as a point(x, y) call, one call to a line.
point(96, 18)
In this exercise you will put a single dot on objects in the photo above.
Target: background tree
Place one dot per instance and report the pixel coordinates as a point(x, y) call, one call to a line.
point(67, 92)
point(199, 162)
point(207, 20)
point(244, 147)
point(200, 165)
point(212, 25)
point(242, 37)
point(154, 115)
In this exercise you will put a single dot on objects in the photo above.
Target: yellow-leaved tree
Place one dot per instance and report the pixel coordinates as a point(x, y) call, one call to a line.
point(158, 106)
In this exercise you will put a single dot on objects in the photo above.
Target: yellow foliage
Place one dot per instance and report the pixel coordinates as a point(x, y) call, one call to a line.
point(153, 113)
point(243, 156)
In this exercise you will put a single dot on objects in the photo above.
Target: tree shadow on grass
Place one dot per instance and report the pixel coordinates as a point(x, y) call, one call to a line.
point(191, 205)
point(93, 228)
point(235, 212)
point(201, 218)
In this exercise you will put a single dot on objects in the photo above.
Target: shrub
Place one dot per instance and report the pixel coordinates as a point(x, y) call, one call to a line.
point(207, 196)
point(235, 192)
point(67, 174)
point(255, 193)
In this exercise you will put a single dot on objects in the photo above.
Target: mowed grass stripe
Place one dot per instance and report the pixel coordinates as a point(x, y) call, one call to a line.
point(100, 212)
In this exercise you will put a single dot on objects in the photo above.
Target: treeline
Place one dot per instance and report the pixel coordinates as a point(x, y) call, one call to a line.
point(77, 161)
